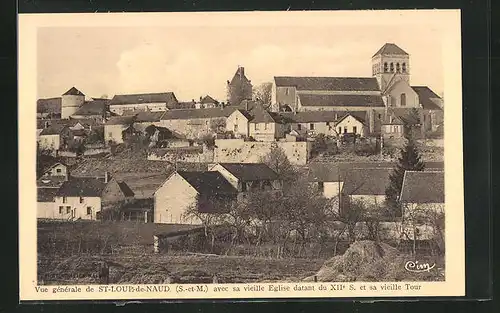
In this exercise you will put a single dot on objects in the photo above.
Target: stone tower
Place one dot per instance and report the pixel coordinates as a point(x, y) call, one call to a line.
point(239, 88)
point(389, 64)
point(71, 101)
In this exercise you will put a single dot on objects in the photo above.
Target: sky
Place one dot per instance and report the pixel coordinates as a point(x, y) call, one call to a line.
point(194, 61)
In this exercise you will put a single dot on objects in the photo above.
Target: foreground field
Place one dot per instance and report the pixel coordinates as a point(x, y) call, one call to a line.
point(157, 269)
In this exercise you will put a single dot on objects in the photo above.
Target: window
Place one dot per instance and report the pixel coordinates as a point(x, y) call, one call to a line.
point(321, 186)
point(68, 209)
point(64, 199)
point(89, 210)
point(235, 127)
point(299, 127)
point(403, 99)
point(61, 208)
point(243, 187)
point(354, 129)
point(311, 126)
point(392, 67)
point(386, 69)
point(256, 126)
point(380, 116)
point(397, 68)
point(340, 130)
point(58, 170)
point(345, 129)
point(404, 67)
point(81, 199)
point(265, 125)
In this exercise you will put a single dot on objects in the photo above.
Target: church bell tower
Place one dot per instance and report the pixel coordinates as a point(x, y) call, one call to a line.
point(390, 64)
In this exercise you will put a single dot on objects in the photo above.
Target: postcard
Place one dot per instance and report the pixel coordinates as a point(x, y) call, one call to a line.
point(240, 155)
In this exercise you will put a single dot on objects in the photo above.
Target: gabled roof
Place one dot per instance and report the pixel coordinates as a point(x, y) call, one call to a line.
point(250, 171)
point(45, 194)
point(427, 97)
point(239, 75)
point(161, 97)
point(121, 120)
point(94, 107)
point(401, 116)
point(390, 49)
point(208, 99)
point(54, 129)
point(208, 183)
point(356, 115)
point(73, 92)
point(342, 100)
point(197, 113)
point(49, 105)
point(366, 181)
point(145, 116)
point(127, 192)
point(423, 187)
point(328, 83)
point(260, 115)
point(82, 187)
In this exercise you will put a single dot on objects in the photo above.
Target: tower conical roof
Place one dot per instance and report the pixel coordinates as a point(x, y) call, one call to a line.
point(73, 92)
point(390, 49)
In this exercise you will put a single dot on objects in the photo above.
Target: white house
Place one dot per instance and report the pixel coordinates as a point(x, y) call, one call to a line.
point(352, 123)
point(54, 137)
point(114, 127)
point(366, 185)
point(184, 191)
point(424, 189)
point(237, 123)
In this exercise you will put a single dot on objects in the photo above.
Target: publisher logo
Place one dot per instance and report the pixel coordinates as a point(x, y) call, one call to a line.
point(417, 267)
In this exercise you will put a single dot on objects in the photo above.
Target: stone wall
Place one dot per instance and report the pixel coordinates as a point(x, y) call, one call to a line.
point(196, 154)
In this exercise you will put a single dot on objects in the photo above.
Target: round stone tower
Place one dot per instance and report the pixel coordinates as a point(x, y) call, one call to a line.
point(71, 101)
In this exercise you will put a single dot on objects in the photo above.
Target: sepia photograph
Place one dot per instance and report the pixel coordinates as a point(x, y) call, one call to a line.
point(291, 152)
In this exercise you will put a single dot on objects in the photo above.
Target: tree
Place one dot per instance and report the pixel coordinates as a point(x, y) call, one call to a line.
point(218, 125)
point(410, 160)
point(96, 135)
point(263, 92)
point(277, 160)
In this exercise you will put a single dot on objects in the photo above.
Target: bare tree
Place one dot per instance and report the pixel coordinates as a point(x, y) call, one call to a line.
point(277, 160)
point(263, 92)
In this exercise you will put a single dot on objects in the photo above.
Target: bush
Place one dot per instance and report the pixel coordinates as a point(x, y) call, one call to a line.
point(365, 149)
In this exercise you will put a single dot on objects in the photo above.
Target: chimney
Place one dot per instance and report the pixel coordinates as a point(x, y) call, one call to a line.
point(241, 71)
point(201, 98)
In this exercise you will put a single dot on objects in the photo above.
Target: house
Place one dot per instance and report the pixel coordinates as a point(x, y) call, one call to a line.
point(55, 137)
point(366, 185)
point(238, 123)
point(195, 123)
point(431, 106)
point(114, 127)
point(185, 191)
point(153, 102)
point(54, 176)
point(249, 177)
point(164, 137)
point(144, 119)
point(352, 123)
point(424, 190)
point(206, 102)
point(138, 210)
point(239, 88)
point(95, 108)
point(48, 108)
point(86, 197)
point(266, 126)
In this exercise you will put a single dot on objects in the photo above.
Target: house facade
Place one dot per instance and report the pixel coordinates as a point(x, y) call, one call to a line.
point(238, 123)
point(115, 126)
point(422, 191)
point(184, 195)
point(352, 124)
point(54, 137)
point(153, 102)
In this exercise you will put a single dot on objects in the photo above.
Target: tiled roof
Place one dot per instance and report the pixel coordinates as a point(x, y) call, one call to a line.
point(49, 105)
point(125, 189)
point(163, 97)
point(341, 100)
point(82, 187)
point(260, 115)
point(423, 187)
point(427, 97)
point(73, 92)
point(121, 120)
point(94, 107)
point(197, 113)
point(208, 99)
point(250, 171)
point(329, 83)
point(390, 49)
point(54, 129)
point(331, 172)
point(209, 183)
point(366, 181)
point(360, 116)
point(313, 116)
point(145, 116)
point(45, 194)
point(239, 76)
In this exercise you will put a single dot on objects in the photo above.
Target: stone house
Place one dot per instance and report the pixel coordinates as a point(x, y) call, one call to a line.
point(207, 102)
point(352, 123)
point(266, 126)
point(423, 190)
point(114, 127)
point(153, 102)
point(55, 137)
point(238, 123)
point(185, 191)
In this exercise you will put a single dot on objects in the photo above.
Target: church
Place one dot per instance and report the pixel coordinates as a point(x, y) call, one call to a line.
point(387, 97)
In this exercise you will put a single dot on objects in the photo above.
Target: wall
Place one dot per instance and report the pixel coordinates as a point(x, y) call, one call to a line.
point(112, 193)
point(58, 170)
point(395, 92)
point(50, 142)
point(153, 107)
point(350, 123)
point(263, 131)
point(79, 209)
point(326, 128)
point(191, 128)
point(376, 200)
point(187, 154)
point(114, 133)
point(172, 199)
point(46, 210)
point(237, 123)
point(240, 151)
point(70, 104)
point(286, 96)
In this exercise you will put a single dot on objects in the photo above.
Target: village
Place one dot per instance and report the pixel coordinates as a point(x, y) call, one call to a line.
point(282, 163)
